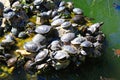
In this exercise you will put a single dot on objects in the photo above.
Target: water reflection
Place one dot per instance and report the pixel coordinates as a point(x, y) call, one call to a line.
point(115, 38)
point(117, 7)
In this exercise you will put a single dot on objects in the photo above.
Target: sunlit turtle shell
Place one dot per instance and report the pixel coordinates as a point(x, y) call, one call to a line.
point(62, 3)
point(66, 24)
point(37, 2)
point(38, 38)
point(22, 35)
point(94, 27)
point(41, 66)
point(16, 3)
point(31, 47)
point(43, 29)
point(55, 45)
point(74, 25)
point(86, 44)
point(77, 11)
point(60, 9)
point(9, 15)
point(54, 13)
point(49, 13)
point(83, 52)
point(67, 37)
point(44, 15)
point(14, 31)
point(9, 40)
point(41, 55)
point(78, 40)
point(57, 22)
point(56, 17)
point(9, 37)
point(60, 55)
point(69, 49)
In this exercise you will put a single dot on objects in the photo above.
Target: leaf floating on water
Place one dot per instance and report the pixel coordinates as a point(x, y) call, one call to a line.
point(117, 52)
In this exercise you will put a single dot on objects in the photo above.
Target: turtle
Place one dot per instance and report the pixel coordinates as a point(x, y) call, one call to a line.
point(9, 40)
point(83, 52)
point(41, 55)
point(61, 54)
point(79, 19)
point(86, 44)
point(78, 40)
point(57, 22)
point(100, 37)
point(56, 17)
point(70, 49)
point(54, 13)
point(31, 47)
point(39, 39)
point(55, 45)
point(10, 14)
point(60, 9)
point(68, 37)
point(42, 66)
point(22, 35)
point(77, 11)
point(93, 28)
point(43, 29)
point(62, 3)
point(14, 31)
point(66, 24)
point(38, 2)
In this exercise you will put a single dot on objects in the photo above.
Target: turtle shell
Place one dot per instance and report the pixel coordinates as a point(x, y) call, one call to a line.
point(43, 29)
point(69, 49)
point(77, 11)
point(31, 47)
point(67, 37)
point(86, 44)
point(60, 55)
point(38, 38)
point(78, 40)
point(57, 22)
point(41, 55)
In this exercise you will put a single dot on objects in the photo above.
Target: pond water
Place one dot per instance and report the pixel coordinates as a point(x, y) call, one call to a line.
point(108, 65)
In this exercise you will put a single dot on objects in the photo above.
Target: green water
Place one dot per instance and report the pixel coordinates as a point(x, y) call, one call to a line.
point(108, 65)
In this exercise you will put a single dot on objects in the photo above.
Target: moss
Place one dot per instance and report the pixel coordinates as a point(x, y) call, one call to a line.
point(33, 19)
point(20, 42)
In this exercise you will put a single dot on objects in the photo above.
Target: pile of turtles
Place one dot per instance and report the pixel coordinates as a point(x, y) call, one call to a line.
point(39, 34)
